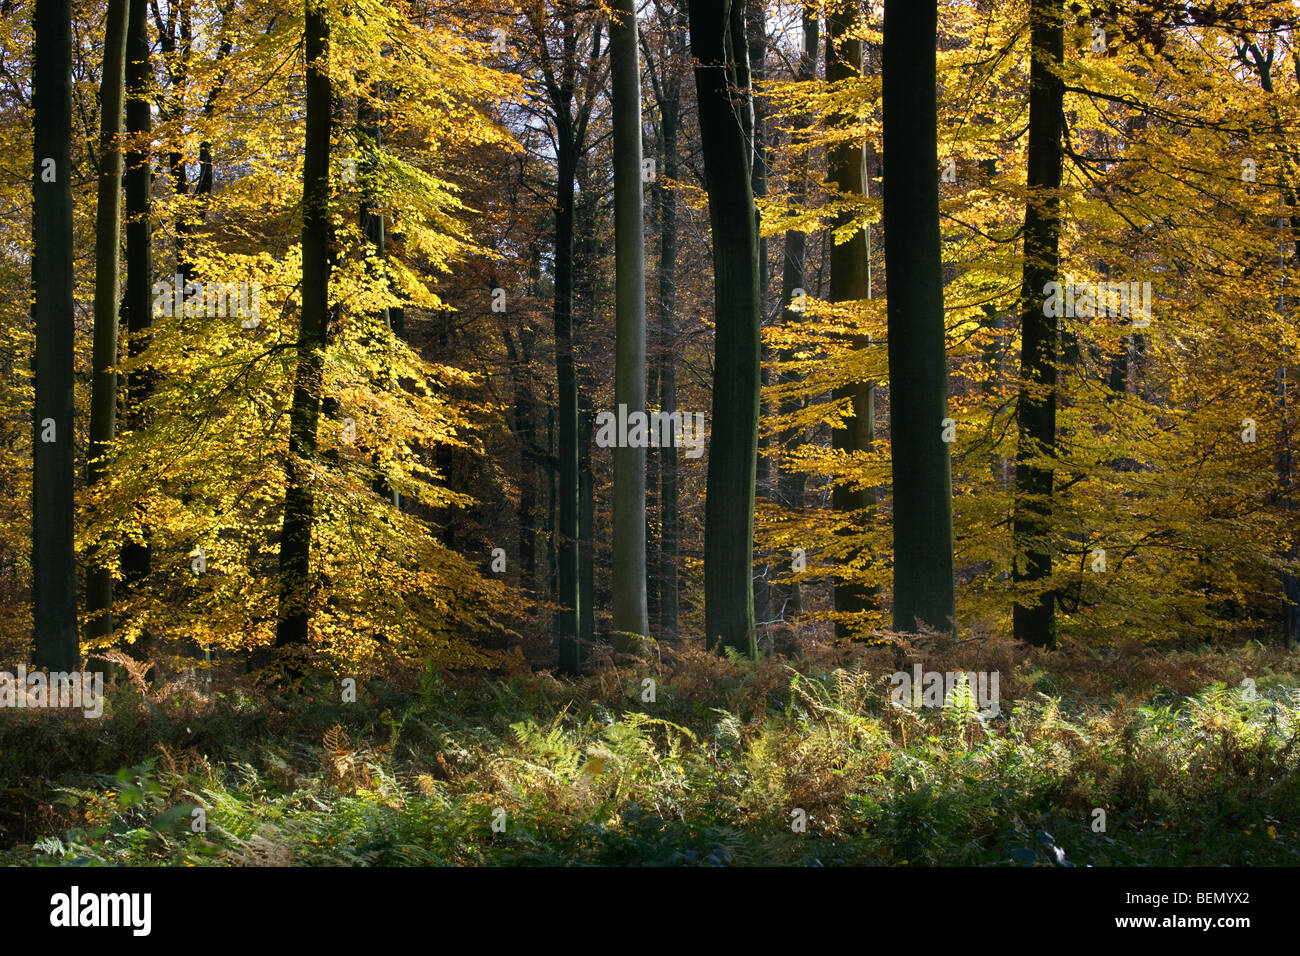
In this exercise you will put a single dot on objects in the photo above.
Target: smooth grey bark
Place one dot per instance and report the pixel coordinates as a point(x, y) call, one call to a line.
point(631, 621)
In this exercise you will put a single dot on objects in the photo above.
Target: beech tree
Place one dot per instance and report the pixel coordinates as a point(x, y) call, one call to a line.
point(108, 242)
point(54, 567)
point(570, 77)
point(631, 621)
point(313, 332)
point(718, 42)
point(1034, 612)
point(850, 282)
point(666, 83)
point(918, 368)
point(791, 481)
point(137, 300)
point(454, 157)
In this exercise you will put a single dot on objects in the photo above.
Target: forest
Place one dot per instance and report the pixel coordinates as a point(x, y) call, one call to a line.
point(663, 433)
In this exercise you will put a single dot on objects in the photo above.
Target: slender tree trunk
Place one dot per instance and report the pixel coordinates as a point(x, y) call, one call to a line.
point(108, 247)
point(1033, 616)
point(669, 514)
point(918, 372)
point(443, 455)
point(137, 303)
point(54, 566)
point(585, 270)
point(653, 502)
point(669, 522)
point(791, 481)
point(653, 511)
point(631, 623)
point(300, 494)
point(176, 37)
point(567, 531)
point(1286, 477)
point(1285, 464)
point(586, 524)
point(721, 78)
point(552, 556)
point(172, 45)
point(570, 135)
point(756, 31)
point(851, 281)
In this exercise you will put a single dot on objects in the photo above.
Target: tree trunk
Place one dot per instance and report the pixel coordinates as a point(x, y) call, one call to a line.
point(669, 518)
point(918, 373)
point(586, 524)
point(653, 502)
point(54, 566)
point(653, 512)
point(631, 623)
point(108, 246)
point(718, 44)
point(1033, 615)
point(756, 31)
point(585, 270)
point(179, 46)
point(1285, 470)
point(137, 303)
point(567, 531)
point(791, 482)
point(850, 281)
point(300, 497)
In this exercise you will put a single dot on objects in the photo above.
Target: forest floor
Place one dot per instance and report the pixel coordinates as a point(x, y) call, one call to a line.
point(1191, 756)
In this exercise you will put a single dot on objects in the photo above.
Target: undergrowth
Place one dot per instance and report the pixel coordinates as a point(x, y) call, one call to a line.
point(1187, 764)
